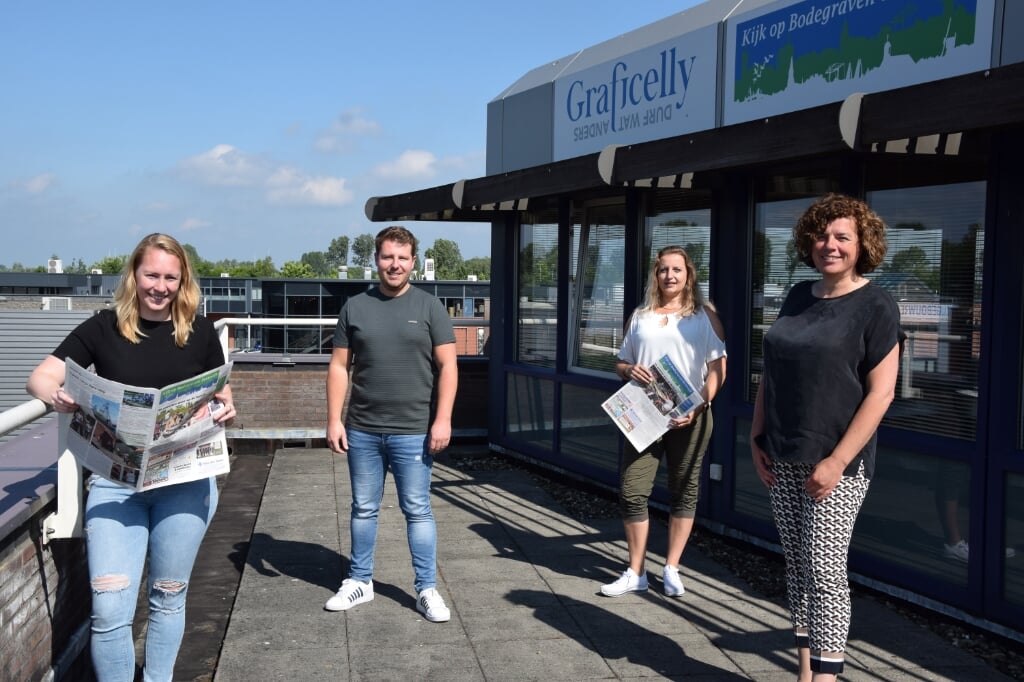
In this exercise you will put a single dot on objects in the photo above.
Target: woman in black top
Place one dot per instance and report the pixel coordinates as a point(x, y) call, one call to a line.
point(830, 365)
point(152, 337)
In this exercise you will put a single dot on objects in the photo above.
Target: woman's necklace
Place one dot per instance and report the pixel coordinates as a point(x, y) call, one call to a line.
point(665, 311)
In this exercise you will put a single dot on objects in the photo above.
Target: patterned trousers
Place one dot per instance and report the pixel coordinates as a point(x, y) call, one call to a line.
point(816, 540)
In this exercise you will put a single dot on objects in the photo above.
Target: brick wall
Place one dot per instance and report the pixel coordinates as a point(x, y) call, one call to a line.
point(269, 396)
point(44, 601)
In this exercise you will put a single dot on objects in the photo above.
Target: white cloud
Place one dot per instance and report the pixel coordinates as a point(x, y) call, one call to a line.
point(190, 224)
point(345, 131)
point(318, 191)
point(39, 183)
point(467, 165)
point(412, 163)
point(225, 166)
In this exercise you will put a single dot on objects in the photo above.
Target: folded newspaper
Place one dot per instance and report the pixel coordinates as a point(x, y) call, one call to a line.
point(146, 438)
point(643, 412)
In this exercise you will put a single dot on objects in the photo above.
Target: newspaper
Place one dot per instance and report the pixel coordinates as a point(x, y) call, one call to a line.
point(643, 413)
point(146, 438)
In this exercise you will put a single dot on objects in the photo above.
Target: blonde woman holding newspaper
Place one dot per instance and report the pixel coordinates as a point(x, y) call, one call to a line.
point(674, 320)
point(151, 337)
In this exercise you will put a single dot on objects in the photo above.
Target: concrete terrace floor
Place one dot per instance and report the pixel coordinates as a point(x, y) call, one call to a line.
point(521, 578)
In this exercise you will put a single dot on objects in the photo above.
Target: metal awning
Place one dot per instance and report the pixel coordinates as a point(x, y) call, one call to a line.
point(928, 118)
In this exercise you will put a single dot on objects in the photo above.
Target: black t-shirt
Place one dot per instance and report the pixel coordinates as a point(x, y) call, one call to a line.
point(817, 356)
point(154, 362)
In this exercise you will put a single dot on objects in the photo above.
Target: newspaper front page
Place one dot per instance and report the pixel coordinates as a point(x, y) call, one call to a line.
point(643, 413)
point(146, 438)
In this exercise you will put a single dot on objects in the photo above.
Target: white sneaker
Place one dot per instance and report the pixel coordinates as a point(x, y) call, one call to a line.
point(351, 593)
point(961, 551)
point(673, 583)
point(431, 604)
point(627, 582)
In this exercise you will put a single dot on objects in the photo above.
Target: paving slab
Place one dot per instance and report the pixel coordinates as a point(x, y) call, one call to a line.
point(522, 579)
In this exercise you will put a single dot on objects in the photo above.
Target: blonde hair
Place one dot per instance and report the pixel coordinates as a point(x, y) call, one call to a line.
point(184, 305)
point(693, 299)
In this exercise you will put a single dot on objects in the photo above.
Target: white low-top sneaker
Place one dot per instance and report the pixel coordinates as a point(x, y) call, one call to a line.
point(629, 581)
point(672, 582)
point(351, 593)
point(431, 604)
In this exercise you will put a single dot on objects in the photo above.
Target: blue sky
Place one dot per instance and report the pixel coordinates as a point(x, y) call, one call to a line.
point(254, 129)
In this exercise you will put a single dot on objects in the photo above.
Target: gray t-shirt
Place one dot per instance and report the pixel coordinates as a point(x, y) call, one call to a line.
point(817, 356)
point(392, 340)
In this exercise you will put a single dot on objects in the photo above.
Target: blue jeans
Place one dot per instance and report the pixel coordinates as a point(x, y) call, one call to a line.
point(408, 456)
point(120, 526)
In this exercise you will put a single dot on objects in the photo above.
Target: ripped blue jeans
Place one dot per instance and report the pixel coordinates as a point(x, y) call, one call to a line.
point(370, 455)
point(121, 527)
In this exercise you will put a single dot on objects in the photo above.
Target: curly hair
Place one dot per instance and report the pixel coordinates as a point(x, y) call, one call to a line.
point(184, 305)
point(870, 229)
point(693, 299)
point(397, 234)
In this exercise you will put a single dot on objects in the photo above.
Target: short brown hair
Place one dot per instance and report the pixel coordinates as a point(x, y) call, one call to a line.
point(870, 229)
point(397, 234)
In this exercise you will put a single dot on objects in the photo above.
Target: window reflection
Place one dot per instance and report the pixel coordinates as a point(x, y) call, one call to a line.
point(673, 221)
point(933, 269)
point(918, 515)
point(586, 434)
point(529, 409)
point(537, 290)
point(599, 295)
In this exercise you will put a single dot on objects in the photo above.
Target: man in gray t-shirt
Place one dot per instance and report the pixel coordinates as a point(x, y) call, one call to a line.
point(396, 347)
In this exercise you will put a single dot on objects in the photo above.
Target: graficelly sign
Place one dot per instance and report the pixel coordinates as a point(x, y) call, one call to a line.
point(793, 55)
point(663, 90)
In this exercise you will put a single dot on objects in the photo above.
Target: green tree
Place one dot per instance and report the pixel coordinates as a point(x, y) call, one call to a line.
point(319, 262)
point(914, 261)
point(698, 254)
point(362, 250)
point(447, 259)
point(111, 265)
point(261, 268)
point(200, 266)
point(77, 267)
point(479, 266)
point(298, 270)
point(337, 253)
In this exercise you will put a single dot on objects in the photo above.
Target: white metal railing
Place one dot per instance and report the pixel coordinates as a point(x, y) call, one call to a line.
point(223, 325)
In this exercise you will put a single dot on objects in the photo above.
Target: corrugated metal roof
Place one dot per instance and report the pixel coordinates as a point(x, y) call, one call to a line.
point(26, 338)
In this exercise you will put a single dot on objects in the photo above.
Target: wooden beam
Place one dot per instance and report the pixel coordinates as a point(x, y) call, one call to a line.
point(993, 98)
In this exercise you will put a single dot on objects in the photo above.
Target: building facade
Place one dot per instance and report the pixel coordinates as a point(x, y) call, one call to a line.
point(714, 129)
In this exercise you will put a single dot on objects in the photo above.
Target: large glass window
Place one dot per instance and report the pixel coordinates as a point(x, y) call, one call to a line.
point(537, 289)
point(751, 495)
point(529, 410)
point(933, 269)
point(586, 434)
point(1013, 578)
point(596, 333)
point(917, 515)
point(781, 200)
point(683, 219)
